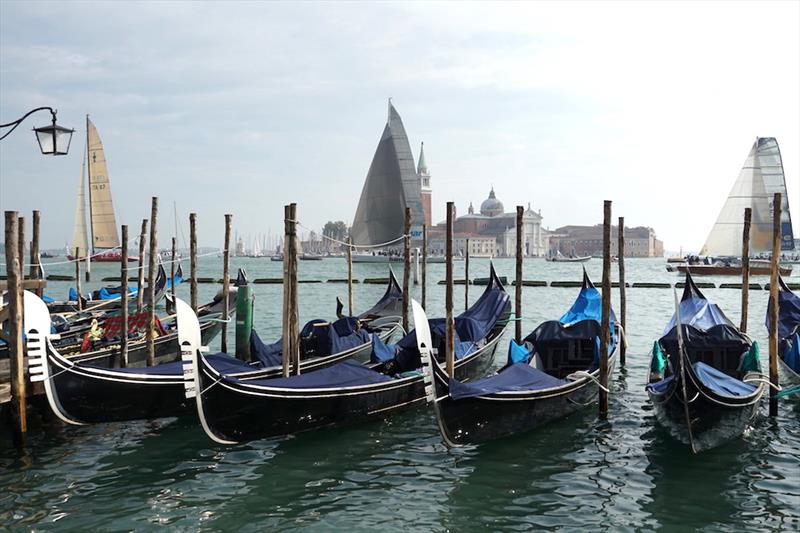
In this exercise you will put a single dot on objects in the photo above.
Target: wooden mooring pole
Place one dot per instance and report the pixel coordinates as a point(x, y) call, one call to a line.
point(466, 274)
point(406, 266)
point(349, 276)
point(622, 304)
point(16, 361)
point(773, 298)
point(78, 277)
point(36, 269)
point(140, 272)
point(193, 258)
point(424, 262)
point(151, 284)
point(21, 242)
point(287, 341)
point(748, 216)
point(124, 283)
point(450, 324)
point(226, 281)
point(518, 291)
point(606, 306)
point(294, 311)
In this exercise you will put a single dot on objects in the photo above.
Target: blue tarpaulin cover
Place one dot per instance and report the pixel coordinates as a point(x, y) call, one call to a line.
point(472, 326)
point(788, 312)
point(46, 299)
point(717, 381)
point(791, 356)
point(720, 382)
point(267, 354)
point(517, 353)
point(699, 313)
point(517, 377)
point(348, 373)
point(112, 294)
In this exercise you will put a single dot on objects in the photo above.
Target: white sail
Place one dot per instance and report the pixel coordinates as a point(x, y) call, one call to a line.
point(101, 207)
point(80, 237)
point(391, 185)
point(771, 167)
point(749, 190)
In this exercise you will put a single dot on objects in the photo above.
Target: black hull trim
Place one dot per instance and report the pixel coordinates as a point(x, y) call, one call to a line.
point(233, 411)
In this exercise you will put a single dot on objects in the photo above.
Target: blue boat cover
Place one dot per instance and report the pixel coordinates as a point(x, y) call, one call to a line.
point(348, 373)
point(72, 296)
point(587, 306)
point(178, 280)
point(107, 293)
point(791, 354)
point(46, 299)
point(471, 326)
point(699, 313)
point(517, 377)
point(788, 313)
point(268, 355)
point(660, 387)
point(721, 383)
point(517, 353)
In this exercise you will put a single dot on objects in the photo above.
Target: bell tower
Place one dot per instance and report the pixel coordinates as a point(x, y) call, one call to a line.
point(425, 184)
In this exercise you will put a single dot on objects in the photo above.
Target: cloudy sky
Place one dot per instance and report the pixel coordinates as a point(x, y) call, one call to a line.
point(244, 107)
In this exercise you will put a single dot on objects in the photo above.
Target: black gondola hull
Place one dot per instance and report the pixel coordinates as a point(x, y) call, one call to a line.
point(714, 419)
point(484, 418)
point(234, 412)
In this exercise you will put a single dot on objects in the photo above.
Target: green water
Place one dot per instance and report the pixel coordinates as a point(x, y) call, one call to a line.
point(396, 475)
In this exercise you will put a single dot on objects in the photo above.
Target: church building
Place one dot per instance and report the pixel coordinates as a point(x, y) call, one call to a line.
point(492, 231)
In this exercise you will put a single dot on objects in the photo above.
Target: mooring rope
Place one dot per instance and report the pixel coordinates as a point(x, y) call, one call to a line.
point(349, 245)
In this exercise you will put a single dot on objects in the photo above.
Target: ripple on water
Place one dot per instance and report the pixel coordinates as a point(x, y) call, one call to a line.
point(397, 475)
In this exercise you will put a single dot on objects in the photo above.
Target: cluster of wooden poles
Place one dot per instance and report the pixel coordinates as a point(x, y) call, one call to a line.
point(15, 238)
point(14, 252)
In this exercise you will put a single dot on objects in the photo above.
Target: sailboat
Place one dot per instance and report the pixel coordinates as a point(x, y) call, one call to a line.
point(760, 178)
point(104, 245)
point(392, 184)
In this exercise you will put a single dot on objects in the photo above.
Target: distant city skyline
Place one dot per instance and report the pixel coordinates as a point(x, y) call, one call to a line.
point(244, 107)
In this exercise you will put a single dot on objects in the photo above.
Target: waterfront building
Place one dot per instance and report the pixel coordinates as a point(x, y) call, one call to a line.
point(492, 231)
point(640, 241)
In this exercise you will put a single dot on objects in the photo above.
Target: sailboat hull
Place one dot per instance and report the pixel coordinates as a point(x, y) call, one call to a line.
point(108, 257)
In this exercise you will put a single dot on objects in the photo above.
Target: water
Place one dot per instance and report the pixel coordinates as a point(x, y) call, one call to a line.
point(396, 475)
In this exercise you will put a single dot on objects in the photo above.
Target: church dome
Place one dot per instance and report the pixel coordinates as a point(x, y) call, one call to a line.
point(492, 206)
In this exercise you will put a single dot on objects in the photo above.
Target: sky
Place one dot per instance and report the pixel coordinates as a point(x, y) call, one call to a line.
point(243, 107)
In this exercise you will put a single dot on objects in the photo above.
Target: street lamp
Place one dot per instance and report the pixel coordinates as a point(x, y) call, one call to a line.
point(53, 139)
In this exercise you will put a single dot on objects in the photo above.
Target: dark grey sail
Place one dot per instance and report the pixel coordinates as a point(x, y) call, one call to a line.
point(391, 186)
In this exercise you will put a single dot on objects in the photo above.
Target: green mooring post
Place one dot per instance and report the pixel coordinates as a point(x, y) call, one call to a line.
point(244, 318)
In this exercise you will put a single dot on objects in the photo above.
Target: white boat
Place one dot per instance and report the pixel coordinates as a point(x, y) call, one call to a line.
point(558, 257)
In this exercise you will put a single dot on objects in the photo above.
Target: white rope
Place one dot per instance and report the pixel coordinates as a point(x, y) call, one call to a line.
point(355, 246)
point(141, 264)
point(762, 378)
point(584, 374)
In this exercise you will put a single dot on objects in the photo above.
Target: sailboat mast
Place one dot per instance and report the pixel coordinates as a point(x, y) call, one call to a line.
point(90, 248)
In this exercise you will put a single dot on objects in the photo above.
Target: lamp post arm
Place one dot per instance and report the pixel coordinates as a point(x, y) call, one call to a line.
point(13, 125)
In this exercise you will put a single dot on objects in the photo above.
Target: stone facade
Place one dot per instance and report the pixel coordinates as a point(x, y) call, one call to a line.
point(640, 241)
point(492, 232)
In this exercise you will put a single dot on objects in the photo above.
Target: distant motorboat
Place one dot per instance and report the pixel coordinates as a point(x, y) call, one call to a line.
point(560, 258)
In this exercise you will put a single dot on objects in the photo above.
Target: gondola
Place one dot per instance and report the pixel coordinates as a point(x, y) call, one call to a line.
point(553, 374)
point(81, 391)
point(705, 381)
point(788, 333)
point(233, 410)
